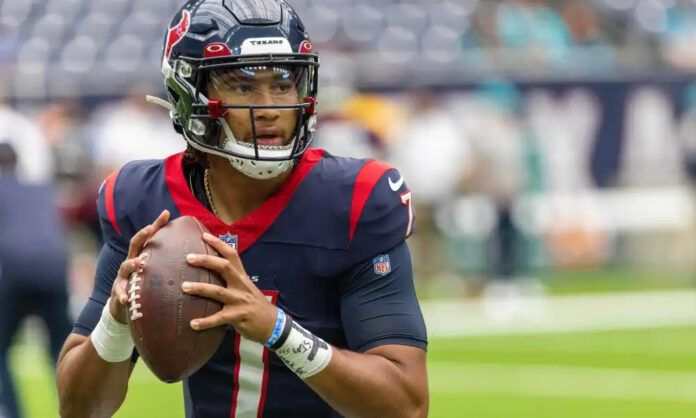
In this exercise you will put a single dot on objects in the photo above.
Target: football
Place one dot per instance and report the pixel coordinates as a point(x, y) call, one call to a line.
point(160, 312)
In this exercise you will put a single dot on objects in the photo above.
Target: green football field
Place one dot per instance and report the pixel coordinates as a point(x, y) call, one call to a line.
point(629, 373)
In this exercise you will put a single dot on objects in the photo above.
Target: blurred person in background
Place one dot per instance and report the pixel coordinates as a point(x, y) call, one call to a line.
point(592, 48)
point(380, 118)
point(338, 132)
point(33, 267)
point(481, 41)
point(483, 32)
point(63, 123)
point(564, 127)
point(506, 166)
point(131, 130)
point(583, 25)
point(687, 133)
point(435, 157)
point(531, 26)
point(652, 155)
point(679, 35)
point(34, 161)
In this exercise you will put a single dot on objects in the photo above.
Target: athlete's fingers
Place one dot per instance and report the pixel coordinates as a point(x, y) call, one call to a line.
point(235, 315)
point(212, 321)
point(128, 267)
point(141, 237)
point(225, 250)
point(161, 221)
point(211, 291)
point(119, 292)
point(138, 241)
point(232, 275)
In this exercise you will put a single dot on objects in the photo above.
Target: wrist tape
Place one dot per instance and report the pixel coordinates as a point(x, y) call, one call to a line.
point(278, 330)
point(302, 352)
point(112, 339)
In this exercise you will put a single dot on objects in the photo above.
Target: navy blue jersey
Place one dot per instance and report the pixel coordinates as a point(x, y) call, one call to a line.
point(328, 247)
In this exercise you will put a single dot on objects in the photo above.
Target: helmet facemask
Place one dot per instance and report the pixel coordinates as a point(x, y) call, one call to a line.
point(280, 83)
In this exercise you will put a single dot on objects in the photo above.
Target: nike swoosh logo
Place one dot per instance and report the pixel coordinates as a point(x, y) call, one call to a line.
point(395, 186)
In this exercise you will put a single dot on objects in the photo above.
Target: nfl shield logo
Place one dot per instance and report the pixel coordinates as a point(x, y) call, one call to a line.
point(382, 264)
point(230, 239)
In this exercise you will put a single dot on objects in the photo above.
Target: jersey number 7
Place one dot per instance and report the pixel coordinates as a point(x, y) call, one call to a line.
point(406, 200)
point(250, 374)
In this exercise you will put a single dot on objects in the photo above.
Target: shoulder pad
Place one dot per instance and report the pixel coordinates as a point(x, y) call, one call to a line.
point(122, 195)
point(381, 213)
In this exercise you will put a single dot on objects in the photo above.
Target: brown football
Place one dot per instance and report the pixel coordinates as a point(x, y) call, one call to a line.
point(160, 312)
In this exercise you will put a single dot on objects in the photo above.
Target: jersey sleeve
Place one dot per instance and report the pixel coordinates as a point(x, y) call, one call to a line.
point(116, 236)
point(381, 215)
point(114, 223)
point(108, 264)
point(379, 304)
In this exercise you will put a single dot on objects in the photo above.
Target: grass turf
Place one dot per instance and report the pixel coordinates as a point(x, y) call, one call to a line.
point(613, 374)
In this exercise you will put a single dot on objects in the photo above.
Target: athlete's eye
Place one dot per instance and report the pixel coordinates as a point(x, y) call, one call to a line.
point(241, 88)
point(282, 88)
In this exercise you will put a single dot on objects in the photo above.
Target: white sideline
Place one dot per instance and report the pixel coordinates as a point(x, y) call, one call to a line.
point(458, 318)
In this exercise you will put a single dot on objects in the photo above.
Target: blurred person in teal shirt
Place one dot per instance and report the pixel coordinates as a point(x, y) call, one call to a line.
point(533, 26)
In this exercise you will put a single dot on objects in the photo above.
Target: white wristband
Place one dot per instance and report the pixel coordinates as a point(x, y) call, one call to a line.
point(112, 339)
point(304, 353)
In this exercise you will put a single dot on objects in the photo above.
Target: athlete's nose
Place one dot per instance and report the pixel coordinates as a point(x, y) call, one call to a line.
point(265, 99)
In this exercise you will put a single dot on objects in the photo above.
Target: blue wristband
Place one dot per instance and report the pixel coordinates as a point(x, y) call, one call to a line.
point(278, 330)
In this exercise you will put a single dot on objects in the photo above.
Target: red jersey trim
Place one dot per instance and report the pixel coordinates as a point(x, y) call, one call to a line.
point(253, 225)
point(367, 178)
point(109, 185)
point(235, 381)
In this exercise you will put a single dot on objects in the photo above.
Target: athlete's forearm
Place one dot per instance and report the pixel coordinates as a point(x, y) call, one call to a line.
point(88, 386)
point(372, 385)
point(388, 381)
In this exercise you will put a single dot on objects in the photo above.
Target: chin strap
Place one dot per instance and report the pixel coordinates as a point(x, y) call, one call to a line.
point(159, 102)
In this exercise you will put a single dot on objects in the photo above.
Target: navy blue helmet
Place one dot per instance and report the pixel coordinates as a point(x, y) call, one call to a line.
point(227, 43)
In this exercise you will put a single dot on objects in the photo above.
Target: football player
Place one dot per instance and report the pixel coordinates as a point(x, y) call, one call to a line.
point(320, 306)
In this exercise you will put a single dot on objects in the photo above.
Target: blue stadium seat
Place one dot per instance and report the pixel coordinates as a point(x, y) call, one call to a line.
point(409, 16)
point(51, 27)
point(363, 24)
point(322, 22)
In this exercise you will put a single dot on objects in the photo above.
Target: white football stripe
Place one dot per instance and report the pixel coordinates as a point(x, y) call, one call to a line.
point(560, 313)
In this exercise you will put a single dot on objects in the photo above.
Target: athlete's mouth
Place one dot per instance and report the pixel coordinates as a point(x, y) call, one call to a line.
point(269, 137)
point(274, 141)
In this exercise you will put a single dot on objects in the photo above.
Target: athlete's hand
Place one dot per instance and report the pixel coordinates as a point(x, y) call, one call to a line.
point(133, 263)
point(245, 307)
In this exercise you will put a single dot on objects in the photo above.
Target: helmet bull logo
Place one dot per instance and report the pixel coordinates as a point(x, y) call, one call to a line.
point(177, 33)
